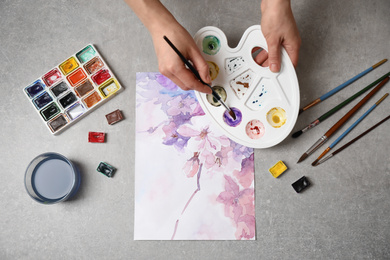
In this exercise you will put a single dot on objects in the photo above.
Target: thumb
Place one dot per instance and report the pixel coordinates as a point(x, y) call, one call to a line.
point(274, 55)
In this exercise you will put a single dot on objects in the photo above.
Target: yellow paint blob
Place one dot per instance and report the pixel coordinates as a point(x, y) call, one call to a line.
point(69, 65)
point(213, 69)
point(276, 117)
point(278, 169)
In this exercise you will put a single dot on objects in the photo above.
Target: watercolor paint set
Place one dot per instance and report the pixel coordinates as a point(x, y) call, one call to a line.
point(71, 90)
point(266, 104)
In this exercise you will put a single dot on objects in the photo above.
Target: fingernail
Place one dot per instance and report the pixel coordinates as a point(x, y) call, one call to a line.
point(274, 67)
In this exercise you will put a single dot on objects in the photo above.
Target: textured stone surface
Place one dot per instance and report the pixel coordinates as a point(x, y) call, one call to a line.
point(343, 215)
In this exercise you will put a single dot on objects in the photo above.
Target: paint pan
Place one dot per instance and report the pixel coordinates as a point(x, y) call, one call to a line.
point(51, 178)
point(71, 90)
point(268, 103)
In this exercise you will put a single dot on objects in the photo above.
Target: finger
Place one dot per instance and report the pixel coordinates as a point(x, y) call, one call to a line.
point(274, 55)
point(261, 57)
point(189, 80)
point(201, 66)
point(293, 53)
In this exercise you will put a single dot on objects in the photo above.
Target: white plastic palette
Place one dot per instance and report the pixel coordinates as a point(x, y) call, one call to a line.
point(268, 102)
point(71, 90)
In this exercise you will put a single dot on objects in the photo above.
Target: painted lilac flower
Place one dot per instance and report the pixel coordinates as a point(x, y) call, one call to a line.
point(180, 105)
point(237, 203)
point(246, 176)
point(166, 83)
point(246, 227)
point(172, 137)
point(192, 165)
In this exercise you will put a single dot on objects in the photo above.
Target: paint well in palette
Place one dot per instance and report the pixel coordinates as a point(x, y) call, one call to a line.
point(213, 70)
point(221, 92)
point(76, 77)
point(35, 88)
point(92, 99)
point(260, 94)
point(60, 88)
point(57, 123)
point(108, 88)
point(229, 120)
point(242, 83)
point(276, 117)
point(52, 77)
point(94, 65)
point(67, 100)
point(69, 65)
point(101, 76)
point(75, 111)
point(233, 64)
point(211, 45)
point(42, 100)
point(50, 111)
point(255, 129)
point(84, 88)
point(86, 54)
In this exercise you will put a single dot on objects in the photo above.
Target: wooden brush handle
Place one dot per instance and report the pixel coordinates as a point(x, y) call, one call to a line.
point(355, 108)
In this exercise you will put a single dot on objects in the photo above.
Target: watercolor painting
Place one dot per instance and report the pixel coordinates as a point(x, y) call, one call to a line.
point(191, 181)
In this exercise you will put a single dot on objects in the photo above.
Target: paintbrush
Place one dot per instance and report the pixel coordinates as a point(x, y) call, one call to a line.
point(338, 107)
point(340, 87)
point(196, 73)
point(353, 140)
point(349, 129)
point(336, 126)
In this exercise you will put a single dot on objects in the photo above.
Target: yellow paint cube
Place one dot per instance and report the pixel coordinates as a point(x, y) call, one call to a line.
point(278, 169)
point(69, 65)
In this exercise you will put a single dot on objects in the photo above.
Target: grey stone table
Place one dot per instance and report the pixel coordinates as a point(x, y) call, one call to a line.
point(343, 215)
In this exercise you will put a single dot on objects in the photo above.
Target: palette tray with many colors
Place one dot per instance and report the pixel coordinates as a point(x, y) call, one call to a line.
point(266, 104)
point(72, 89)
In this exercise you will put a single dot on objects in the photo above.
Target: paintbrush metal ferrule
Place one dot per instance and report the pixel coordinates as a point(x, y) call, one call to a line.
point(314, 147)
point(324, 159)
point(322, 155)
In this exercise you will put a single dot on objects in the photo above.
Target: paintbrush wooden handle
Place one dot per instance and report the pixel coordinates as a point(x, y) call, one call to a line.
point(355, 108)
point(360, 136)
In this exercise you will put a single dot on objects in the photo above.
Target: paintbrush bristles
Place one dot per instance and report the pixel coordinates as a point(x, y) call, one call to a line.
point(297, 134)
point(303, 157)
point(315, 163)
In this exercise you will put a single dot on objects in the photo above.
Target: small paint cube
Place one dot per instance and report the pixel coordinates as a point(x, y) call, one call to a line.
point(96, 137)
point(69, 65)
point(301, 184)
point(101, 76)
point(278, 169)
point(106, 169)
point(52, 77)
point(35, 88)
point(114, 117)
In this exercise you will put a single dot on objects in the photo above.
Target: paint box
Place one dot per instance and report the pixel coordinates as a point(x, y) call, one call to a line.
point(72, 89)
point(51, 178)
point(266, 103)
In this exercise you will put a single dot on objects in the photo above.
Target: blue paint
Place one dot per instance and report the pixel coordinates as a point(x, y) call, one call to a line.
point(35, 88)
point(42, 100)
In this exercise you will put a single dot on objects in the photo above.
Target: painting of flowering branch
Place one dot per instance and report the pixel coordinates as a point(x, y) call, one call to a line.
point(191, 181)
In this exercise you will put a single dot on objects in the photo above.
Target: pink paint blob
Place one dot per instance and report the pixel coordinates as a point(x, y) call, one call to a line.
point(255, 129)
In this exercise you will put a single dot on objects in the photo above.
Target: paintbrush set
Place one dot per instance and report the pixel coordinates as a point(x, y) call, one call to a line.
point(379, 83)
